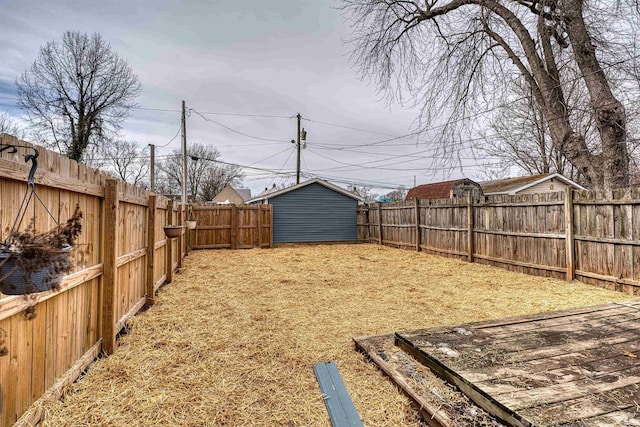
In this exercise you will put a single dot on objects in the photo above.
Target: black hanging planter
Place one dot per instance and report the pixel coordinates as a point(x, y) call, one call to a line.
point(31, 262)
point(19, 276)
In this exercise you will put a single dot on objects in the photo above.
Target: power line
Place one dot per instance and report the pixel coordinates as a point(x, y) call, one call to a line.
point(273, 155)
point(281, 168)
point(269, 116)
point(172, 139)
point(234, 130)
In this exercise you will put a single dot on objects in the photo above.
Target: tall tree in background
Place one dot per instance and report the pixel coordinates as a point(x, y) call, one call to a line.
point(518, 136)
point(126, 161)
point(453, 57)
point(205, 176)
point(77, 93)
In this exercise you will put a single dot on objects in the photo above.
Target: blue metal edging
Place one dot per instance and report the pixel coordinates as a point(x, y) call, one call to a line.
point(336, 397)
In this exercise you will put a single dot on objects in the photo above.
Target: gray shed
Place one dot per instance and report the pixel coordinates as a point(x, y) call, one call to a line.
point(313, 211)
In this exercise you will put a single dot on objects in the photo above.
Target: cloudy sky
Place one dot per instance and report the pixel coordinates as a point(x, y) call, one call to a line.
point(248, 68)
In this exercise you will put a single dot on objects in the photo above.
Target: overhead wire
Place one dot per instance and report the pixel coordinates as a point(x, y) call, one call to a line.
point(236, 131)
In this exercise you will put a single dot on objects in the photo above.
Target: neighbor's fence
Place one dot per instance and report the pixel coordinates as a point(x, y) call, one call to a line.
point(232, 226)
point(590, 236)
point(121, 259)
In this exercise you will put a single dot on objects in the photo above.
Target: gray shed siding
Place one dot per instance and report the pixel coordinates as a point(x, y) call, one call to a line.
point(314, 213)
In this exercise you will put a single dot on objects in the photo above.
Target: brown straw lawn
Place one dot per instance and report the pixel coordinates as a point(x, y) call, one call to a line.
point(232, 341)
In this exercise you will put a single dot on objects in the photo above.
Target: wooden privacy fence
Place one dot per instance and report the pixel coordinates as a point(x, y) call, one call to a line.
point(232, 227)
point(590, 236)
point(121, 259)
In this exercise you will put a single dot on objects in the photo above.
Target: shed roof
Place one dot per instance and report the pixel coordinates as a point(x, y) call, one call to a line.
point(435, 190)
point(514, 185)
point(322, 182)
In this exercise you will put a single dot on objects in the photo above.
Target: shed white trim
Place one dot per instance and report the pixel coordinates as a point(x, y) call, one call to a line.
point(304, 184)
point(557, 176)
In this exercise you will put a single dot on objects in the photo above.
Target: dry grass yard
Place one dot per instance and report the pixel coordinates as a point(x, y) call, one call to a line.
point(232, 341)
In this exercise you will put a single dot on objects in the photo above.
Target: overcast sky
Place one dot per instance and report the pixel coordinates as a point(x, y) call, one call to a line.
point(265, 58)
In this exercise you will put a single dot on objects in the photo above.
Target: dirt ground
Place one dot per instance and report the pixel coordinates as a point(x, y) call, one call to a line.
point(232, 341)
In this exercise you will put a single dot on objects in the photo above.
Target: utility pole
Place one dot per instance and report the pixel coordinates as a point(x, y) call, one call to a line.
point(152, 177)
point(302, 135)
point(184, 155)
point(298, 147)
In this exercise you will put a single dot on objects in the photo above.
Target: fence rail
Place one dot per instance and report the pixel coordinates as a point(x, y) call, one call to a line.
point(590, 236)
point(122, 258)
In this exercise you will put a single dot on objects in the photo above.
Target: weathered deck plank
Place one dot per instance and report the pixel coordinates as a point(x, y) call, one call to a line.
point(572, 367)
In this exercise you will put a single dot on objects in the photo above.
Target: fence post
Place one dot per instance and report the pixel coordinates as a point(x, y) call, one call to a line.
point(270, 226)
point(110, 268)
point(416, 207)
point(379, 223)
point(187, 231)
point(234, 227)
point(470, 225)
point(368, 218)
point(259, 224)
point(169, 245)
point(181, 237)
point(151, 249)
point(568, 226)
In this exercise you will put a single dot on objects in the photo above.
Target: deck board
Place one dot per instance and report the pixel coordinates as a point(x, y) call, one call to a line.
point(572, 367)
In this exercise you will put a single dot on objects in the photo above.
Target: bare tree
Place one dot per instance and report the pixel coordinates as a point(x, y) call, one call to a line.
point(397, 195)
point(206, 176)
point(216, 178)
point(519, 136)
point(126, 161)
point(454, 57)
point(364, 192)
point(77, 93)
point(10, 127)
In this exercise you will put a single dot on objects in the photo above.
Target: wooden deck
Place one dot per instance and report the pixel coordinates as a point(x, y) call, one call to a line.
point(577, 367)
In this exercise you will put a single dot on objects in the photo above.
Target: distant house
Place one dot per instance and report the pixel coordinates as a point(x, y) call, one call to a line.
point(444, 190)
point(266, 191)
point(543, 183)
point(231, 196)
point(312, 211)
point(458, 188)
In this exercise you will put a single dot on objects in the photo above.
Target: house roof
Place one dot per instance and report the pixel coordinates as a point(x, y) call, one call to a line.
point(226, 193)
point(514, 185)
point(266, 191)
point(435, 190)
point(245, 193)
point(268, 194)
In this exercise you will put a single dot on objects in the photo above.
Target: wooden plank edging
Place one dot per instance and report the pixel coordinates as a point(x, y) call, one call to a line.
point(433, 415)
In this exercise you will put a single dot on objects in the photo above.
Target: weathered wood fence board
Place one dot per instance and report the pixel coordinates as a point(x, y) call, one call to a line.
point(232, 227)
point(52, 336)
point(590, 236)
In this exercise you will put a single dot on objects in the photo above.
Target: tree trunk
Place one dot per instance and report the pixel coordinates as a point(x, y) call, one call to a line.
point(610, 115)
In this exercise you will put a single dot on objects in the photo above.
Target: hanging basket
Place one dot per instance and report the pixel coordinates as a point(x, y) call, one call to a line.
point(172, 231)
point(191, 225)
point(19, 276)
